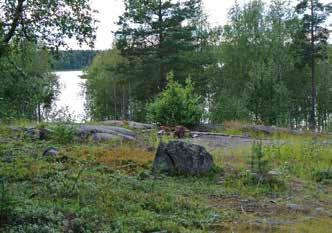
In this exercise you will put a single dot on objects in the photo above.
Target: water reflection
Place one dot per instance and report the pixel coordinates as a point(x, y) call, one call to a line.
point(71, 95)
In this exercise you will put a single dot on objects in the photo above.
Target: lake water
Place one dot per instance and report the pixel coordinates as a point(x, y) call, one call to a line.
point(71, 98)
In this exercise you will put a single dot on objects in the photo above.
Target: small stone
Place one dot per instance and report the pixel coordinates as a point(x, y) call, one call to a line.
point(274, 202)
point(51, 151)
point(161, 132)
point(319, 210)
point(279, 222)
point(220, 182)
point(273, 173)
point(294, 207)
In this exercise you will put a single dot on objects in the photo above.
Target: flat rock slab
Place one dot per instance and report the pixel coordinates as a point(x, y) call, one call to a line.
point(226, 142)
point(178, 157)
point(112, 130)
point(130, 124)
point(104, 137)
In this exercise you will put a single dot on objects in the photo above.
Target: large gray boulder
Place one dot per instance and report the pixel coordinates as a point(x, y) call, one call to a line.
point(183, 158)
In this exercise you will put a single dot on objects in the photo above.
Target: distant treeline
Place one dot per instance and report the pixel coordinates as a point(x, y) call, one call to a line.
point(73, 59)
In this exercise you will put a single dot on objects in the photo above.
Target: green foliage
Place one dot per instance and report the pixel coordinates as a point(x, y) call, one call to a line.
point(156, 37)
point(255, 59)
point(258, 161)
point(177, 105)
point(313, 15)
point(63, 130)
point(256, 70)
point(260, 170)
point(227, 107)
point(24, 20)
point(6, 202)
point(108, 90)
point(83, 195)
point(63, 133)
point(264, 46)
point(324, 176)
point(27, 87)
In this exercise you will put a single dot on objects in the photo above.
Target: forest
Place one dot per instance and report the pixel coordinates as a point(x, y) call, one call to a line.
point(72, 59)
point(270, 64)
point(190, 126)
point(264, 66)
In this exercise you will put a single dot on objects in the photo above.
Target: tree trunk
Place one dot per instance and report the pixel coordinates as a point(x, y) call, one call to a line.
point(162, 73)
point(16, 17)
point(39, 113)
point(313, 71)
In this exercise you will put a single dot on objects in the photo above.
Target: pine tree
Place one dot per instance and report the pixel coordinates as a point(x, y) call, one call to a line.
point(154, 36)
point(314, 14)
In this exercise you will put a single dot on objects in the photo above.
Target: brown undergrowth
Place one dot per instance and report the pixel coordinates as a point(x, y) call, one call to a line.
point(124, 157)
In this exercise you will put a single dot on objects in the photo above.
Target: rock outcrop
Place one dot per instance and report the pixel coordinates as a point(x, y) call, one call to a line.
point(98, 131)
point(129, 124)
point(104, 137)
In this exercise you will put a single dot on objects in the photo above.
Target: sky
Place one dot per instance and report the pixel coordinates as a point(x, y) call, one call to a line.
point(110, 10)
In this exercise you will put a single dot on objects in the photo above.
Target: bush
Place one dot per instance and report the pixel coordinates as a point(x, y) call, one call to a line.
point(258, 161)
point(64, 128)
point(177, 105)
point(63, 133)
point(260, 167)
point(324, 176)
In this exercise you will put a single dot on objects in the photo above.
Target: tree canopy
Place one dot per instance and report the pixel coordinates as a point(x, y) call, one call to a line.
point(160, 36)
point(29, 29)
point(48, 23)
point(257, 68)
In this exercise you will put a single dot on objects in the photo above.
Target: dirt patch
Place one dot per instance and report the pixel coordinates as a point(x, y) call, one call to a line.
point(260, 208)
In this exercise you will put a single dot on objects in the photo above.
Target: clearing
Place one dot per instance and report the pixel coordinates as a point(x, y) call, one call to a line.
point(108, 186)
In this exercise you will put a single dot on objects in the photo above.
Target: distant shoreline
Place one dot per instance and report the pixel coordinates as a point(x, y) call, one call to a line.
point(81, 76)
point(54, 71)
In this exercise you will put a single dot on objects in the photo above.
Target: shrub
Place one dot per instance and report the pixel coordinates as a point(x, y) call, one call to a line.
point(64, 129)
point(63, 133)
point(324, 176)
point(177, 105)
point(260, 165)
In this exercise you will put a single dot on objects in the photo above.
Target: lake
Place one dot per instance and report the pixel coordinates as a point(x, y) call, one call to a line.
point(71, 95)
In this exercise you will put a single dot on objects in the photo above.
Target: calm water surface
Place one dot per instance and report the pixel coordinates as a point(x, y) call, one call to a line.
point(71, 97)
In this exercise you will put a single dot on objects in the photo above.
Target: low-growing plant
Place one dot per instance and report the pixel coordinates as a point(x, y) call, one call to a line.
point(258, 162)
point(261, 169)
point(63, 129)
point(63, 133)
point(324, 176)
point(6, 202)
